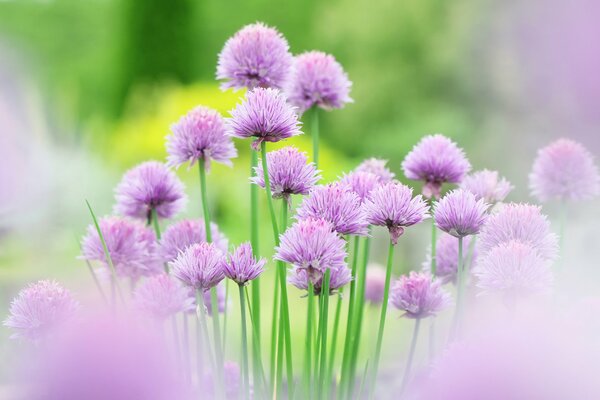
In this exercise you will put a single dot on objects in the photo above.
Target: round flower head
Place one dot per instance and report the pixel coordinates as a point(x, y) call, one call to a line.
point(446, 257)
point(256, 56)
point(374, 284)
point(312, 244)
point(289, 173)
point(199, 266)
point(265, 115)
point(338, 278)
point(182, 234)
point(393, 206)
point(131, 246)
point(564, 170)
point(514, 269)
point(39, 309)
point(150, 185)
point(317, 79)
point(487, 185)
point(242, 266)
point(200, 136)
point(522, 222)
point(377, 167)
point(338, 205)
point(161, 297)
point(435, 160)
point(362, 183)
point(418, 295)
point(460, 214)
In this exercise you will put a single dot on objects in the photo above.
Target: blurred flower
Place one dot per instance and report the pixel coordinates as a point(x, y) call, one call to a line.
point(418, 295)
point(256, 56)
point(242, 266)
point(265, 115)
point(435, 160)
point(446, 257)
point(180, 235)
point(522, 222)
point(460, 214)
point(362, 183)
point(232, 382)
point(338, 205)
point(317, 79)
point(161, 297)
point(487, 185)
point(149, 185)
point(200, 136)
point(131, 246)
point(39, 309)
point(312, 244)
point(393, 206)
point(374, 284)
point(200, 266)
point(289, 173)
point(338, 278)
point(378, 167)
point(564, 170)
point(514, 269)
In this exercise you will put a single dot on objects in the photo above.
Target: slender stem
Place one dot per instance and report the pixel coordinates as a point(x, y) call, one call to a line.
point(319, 327)
point(411, 354)
point(460, 290)
point(225, 314)
point(284, 307)
point(156, 225)
point(334, 335)
point(259, 372)
point(96, 282)
point(363, 380)
point(386, 293)
point(263, 148)
point(315, 135)
point(245, 379)
point(214, 305)
point(308, 348)
point(274, 326)
point(324, 322)
point(204, 326)
point(254, 241)
point(279, 372)
point(204, 196)
point(433, 266)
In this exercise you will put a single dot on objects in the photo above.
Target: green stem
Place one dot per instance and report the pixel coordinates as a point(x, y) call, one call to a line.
point(274, 326)
point(203, 194)
point(254, 241)
point(433, 266)
point(460, 290)
point(156, 225)
point(411, 354)
point(315, 135)
point(204, 326)
point(245, 379)
point(284, 306)
point(214, 303)
point(263, 149)
point(324, 323)
point(334, 335)
point(225, 314)
point(259, 372)
point(279, 373)
point(308, 348)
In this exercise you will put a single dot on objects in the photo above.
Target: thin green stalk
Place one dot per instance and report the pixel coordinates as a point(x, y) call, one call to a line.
point(319, 327)
point(96, 282)
point(259, 373)
point(204, 326)
point(460, 290)
point(308, 348)
point(254, 241)
point(411, 354)
point(274, 326)
point(315, 135)
point(245, 375)
point(156, 225)
point(279, 373)
point(225, 314)
point(433, 265)
point(324, 323)
point(263, 149)
point(334, 335)
point(284, 306)
point(363, 380)
point(386, 293)
point(204, 196)
point(214, 305)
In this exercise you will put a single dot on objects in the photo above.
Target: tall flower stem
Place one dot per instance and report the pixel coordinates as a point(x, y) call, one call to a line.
point(225, 317)
point(204, 333)
point(384, 304)
point(274, 326)
point(460, 290)
point(411, 354)
point(324, 323)
point(433, 265)
point(308, 346)
point(245, 375)
point(334, 335)
point(254, 242)
point(156, 226)
point(259, 372)
point(315, 135)
point(263, 149)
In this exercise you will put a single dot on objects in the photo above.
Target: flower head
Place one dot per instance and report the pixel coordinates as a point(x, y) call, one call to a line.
point(130, 244)
point(418, 295)
point(378, 167)
point(460, 214)
point(289, 173)
point(374, 284)
point(39, 309)
point(179, 236)
point(361, 182)
point(338, 205)
point(513, 268)
point(200, 135)
point(446, 257)
point(435, 160)
point(312, 244)
point(256, 56)
point(521, 222)
point(161, 297)
point(393, 206)
point(200, 266)
point(564, 170)
point(338, 278)
point(149, 185)
point(265, 115)
point(487, 185)
point(317, 79)
point(242, 266)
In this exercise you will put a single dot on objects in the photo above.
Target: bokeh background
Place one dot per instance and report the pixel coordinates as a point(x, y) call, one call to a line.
point(89, 89)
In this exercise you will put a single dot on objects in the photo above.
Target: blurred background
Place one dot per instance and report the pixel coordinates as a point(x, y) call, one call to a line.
point(89, 88)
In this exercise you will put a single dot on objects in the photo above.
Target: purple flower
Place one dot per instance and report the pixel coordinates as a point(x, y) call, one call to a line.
point(564, 170)
point(374, 284)
point(362, 183)
point(435, 160)
point(338, 205)
point(418, 295)
point(179, 236)
point(265, 115)
point(460, 214)
point(256, 56)
point(312, 244)
point(514, 269)
point(161, 297)
point(521, 222)
point(200, 266)
point(338, 278)
point(289, 173)
point(393, 206)
point(200, 136)
point(317, 79)
point(378, 167)
point(242, 266)
point(446, 257)
point(149, 185)
point(131, 246)
point(487, 185)
point(39, 309)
